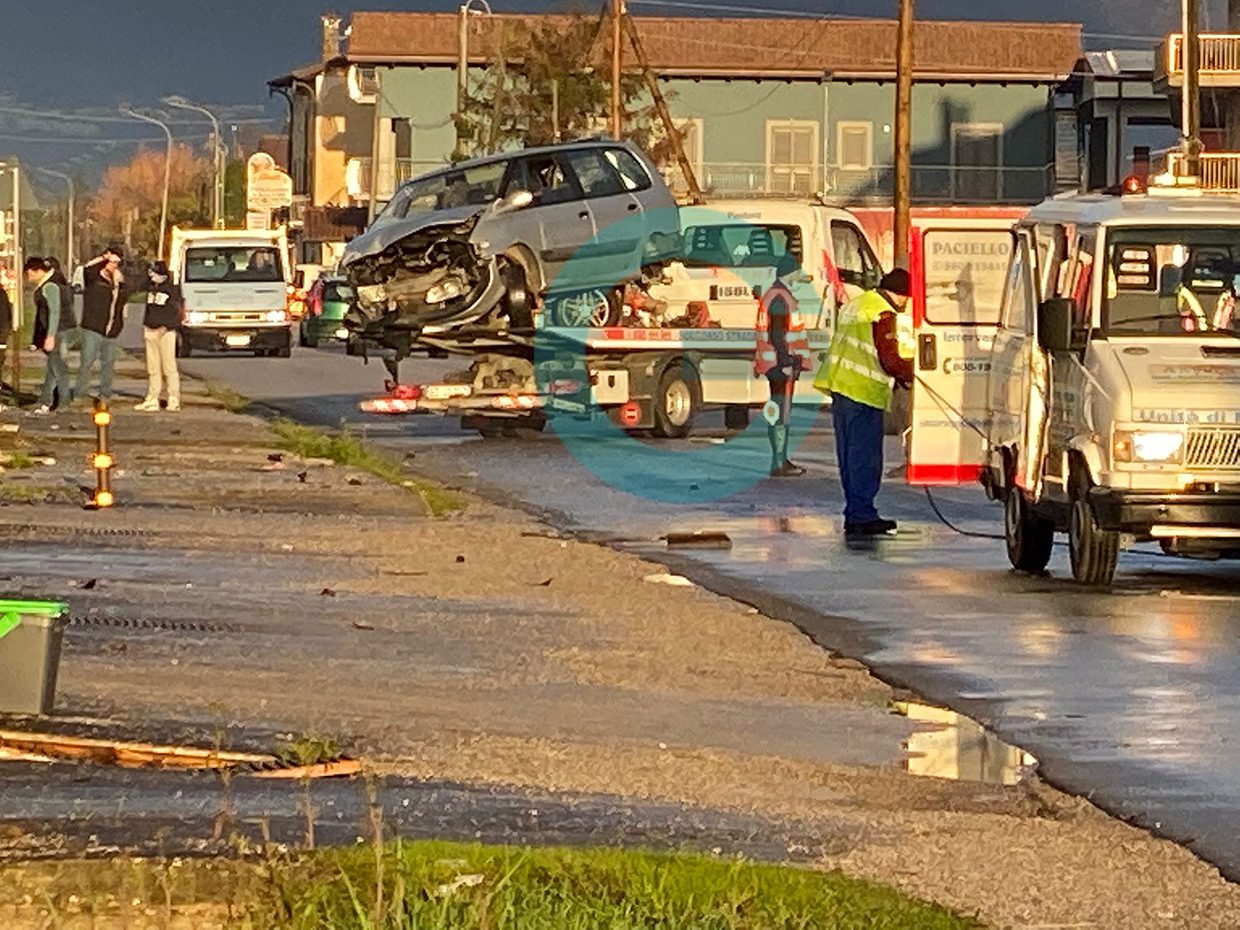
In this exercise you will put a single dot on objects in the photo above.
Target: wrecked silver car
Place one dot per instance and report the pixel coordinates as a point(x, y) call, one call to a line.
point(480, 243)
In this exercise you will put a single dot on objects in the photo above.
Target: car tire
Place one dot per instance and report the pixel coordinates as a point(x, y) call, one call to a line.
point(676, 402)
point(582, 309)
point(518, 303)
point(1093, 551)
point(1030, 537)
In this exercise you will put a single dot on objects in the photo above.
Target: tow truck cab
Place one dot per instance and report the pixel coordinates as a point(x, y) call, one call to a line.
point(1109, 381)
point(238, 291)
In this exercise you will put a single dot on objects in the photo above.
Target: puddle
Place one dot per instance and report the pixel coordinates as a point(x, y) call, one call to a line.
point(958, 748)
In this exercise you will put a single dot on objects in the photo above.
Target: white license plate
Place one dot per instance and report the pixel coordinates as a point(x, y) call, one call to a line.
point(237, 342)
point(342, 334)
point(728, 291)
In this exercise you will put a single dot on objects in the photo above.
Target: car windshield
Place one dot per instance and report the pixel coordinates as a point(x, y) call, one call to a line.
point(1172, 281)
point(477, 185)
point(204, 265)
point(744, 245)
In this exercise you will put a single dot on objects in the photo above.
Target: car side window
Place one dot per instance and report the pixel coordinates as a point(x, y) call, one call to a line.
point(853, 256)
point(549, 180)
point(632, 173)
point(598, 177)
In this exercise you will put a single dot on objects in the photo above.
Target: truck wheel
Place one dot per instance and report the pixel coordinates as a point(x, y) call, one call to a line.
point(676, 402)
point(184, 350)
point(584, 309)
point(1094, 551)
point(736, 417)
point(1030, 537)
point(286, 350)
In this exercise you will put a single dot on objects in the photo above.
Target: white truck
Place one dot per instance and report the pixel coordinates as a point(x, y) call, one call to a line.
point(237, 287)
point(684, 343)
point(1100, 396)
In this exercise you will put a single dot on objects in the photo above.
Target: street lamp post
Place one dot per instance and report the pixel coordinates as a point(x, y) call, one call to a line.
point(70, 263)
point(217, 207)
point(163, 214)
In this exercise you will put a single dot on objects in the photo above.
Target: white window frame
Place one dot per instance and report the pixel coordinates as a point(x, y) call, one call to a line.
point(815, 166)
point(845, 126)
point(995, 129)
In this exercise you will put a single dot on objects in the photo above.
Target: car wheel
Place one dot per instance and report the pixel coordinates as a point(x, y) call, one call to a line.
point(1030, 537)
point(518, 304)
point(1094, 552)
point(586, 309)
point(676, 402)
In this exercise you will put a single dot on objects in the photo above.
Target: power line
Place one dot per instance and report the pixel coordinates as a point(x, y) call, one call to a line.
point(111, 140)
point(125, 120)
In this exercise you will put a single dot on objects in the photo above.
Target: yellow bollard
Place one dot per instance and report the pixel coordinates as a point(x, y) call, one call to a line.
point(102, 461)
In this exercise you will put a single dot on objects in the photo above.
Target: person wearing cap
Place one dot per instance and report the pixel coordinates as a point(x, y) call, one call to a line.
point(159, 327)
point(103, 317)
point(47, 320)
point(862, 366)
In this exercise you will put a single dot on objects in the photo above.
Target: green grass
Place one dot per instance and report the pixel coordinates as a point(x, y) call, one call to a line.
point(229, 399)
point(15, 492)
point(449, 886)
point(17, 459)
point(309, 749)
point(343, 449)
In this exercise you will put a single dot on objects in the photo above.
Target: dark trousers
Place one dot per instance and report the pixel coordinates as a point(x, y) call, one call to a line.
point(859, 449)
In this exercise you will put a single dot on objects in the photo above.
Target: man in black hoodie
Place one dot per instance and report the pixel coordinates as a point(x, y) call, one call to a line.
point(103, 317)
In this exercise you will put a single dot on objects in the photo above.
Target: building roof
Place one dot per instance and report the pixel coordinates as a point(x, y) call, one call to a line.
point(707, 47)
point(1119, 64)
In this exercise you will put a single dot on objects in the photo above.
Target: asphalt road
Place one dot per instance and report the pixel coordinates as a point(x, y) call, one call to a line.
point(1128, 697)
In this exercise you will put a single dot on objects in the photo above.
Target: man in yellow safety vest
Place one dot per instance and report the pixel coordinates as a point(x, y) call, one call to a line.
point(781, 354)
point(863, 363)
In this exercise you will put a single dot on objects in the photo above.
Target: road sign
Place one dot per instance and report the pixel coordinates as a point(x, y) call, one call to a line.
point(267, 187)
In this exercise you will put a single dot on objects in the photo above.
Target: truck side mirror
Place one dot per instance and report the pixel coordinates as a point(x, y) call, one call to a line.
point(1055, 323)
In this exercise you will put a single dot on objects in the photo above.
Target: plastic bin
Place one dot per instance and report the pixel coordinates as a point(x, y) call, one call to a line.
point(30, 636)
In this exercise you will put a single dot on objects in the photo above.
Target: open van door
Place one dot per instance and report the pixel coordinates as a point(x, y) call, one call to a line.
point(959, 273)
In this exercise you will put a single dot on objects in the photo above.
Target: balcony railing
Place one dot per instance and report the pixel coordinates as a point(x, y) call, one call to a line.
point(1219, 65)
point(1220, 171)
point(931, 183)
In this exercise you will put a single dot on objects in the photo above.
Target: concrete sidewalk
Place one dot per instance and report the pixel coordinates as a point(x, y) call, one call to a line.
point(238, 593)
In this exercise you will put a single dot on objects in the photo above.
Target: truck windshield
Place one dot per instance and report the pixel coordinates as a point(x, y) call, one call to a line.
point(213, 264)
point(1171, 281)
point(473, 186)
point(744, 245)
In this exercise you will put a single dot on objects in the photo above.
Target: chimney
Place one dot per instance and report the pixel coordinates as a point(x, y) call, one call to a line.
point(1141, 163)
point(331, 36)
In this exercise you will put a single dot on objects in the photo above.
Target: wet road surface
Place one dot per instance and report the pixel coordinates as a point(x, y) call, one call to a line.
point(1128, 697)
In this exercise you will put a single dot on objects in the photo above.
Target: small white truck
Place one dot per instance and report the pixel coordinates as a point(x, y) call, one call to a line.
point(1098, 393)
point(237, 286)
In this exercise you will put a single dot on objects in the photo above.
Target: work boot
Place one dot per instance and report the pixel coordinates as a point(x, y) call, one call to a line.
point(870, 528)
point(787, 470)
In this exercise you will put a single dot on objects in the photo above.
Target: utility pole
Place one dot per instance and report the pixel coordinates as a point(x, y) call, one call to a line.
point(19, 292)
point(163, 214)
point(462, 63)
point(1192, 92)
point(617, 68)
point(903, 133)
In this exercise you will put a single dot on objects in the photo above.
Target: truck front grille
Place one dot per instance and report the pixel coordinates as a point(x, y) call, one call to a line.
point(1213, 448)
point(238, 316)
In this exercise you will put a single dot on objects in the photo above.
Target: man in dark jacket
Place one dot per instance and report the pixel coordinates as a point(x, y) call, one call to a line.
point(159, 326)
point(103, 317)
point(47, 320)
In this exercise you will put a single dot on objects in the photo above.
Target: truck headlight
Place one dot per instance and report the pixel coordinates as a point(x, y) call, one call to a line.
point(197, 317)
point(1152, 446)
point(442, 293)
point(277, 316)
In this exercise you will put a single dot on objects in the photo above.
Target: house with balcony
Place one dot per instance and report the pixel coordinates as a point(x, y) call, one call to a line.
point(1218, 80)
point(764, 106)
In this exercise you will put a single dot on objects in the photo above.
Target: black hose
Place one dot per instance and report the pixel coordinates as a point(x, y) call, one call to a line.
point(953, 527)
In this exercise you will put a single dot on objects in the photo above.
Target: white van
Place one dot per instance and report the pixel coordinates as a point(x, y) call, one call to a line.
point(237, 289)
point(1102, 398)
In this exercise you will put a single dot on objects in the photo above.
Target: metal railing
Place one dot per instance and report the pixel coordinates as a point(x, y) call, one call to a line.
point(1219, 52)
point(1220, 171)
point(931, 183)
